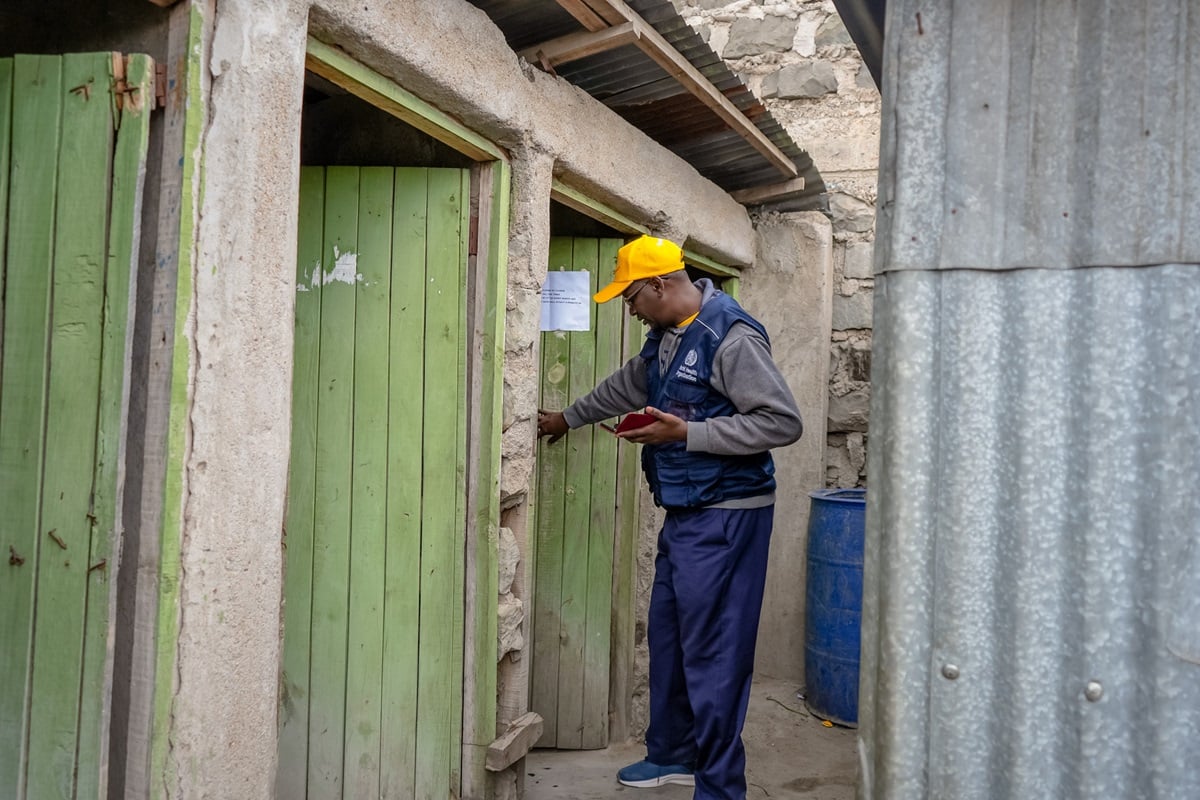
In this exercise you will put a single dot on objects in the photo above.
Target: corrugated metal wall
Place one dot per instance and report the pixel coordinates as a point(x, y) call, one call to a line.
point(1031, 621)
point(1040, 133)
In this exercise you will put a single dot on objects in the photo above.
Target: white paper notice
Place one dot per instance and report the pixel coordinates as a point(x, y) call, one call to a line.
point(566, 301)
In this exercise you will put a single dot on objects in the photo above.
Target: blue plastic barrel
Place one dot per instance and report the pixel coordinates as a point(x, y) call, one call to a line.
point(834, 604)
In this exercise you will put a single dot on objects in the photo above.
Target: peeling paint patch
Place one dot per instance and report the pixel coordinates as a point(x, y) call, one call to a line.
point(345, 270)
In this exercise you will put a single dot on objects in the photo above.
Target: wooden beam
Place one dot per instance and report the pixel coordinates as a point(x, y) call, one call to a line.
point(673, 62)
point(584, 15)
point(575, 46)
point(335, 66)
point(776, 191)
point(577, 200)
point(515, 743)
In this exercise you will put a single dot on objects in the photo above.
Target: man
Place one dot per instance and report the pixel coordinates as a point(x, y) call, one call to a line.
point(706, 375)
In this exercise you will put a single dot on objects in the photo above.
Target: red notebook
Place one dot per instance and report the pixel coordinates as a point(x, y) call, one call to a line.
point(635, 421)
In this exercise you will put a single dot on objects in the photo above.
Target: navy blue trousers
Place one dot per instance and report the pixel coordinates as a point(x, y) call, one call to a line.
point(703, 621)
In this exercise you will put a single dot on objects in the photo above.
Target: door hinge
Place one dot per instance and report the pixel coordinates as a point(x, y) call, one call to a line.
point(160, 85)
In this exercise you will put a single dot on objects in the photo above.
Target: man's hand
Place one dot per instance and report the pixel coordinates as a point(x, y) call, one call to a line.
point(552, 424)
point(668, 428)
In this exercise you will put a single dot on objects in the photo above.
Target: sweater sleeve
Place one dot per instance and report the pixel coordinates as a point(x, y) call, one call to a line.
point(767, 417)
point(619, 393)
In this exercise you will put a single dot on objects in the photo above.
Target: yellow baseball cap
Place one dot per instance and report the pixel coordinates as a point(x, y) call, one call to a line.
point(644, 257)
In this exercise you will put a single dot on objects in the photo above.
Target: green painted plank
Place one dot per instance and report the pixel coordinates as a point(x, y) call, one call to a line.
point(551, 466)
point(333, 64)
point(577, 520)
point(332, 513)
point(129, 165)
point(81, 221)
point(6, 79)
point(406, 411)
point(292, 777)
point(167, 624)
point(441, 601)
point(460, 516)
point(36, 125)
point(713, 268)
point(481, 723)
point(609, 321)
point(624, 580)
point(364, 663)
point(588, 206)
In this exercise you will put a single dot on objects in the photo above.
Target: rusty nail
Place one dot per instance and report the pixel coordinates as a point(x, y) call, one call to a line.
point(51, 533)
point(101, 564)
point(14, 559)
point(920, 28)
point(84, 89)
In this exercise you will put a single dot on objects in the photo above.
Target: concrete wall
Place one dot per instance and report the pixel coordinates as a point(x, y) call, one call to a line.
point(223, 718)
point(790, 290)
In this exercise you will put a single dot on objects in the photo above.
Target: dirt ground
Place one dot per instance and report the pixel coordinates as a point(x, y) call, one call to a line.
point(789, 754)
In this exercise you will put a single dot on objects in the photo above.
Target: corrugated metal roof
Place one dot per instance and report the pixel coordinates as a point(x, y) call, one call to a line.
point(639, 90)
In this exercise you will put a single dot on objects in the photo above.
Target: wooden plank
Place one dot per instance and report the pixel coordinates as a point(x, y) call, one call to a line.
point(776, 191)
point(577, 200)
point(577, 521)
point(363, 82)
point(6, 78)
point(624, 578)
point(575, 46)
point(406, 411)
point(129, 167)
point(364, 664)
point(332, 513)
point(36, 127)
point(81, 220)
point(135, 653)
point(192, 19)
point(583, 14)
point(515, 742)
point(708, 265)
point(460, 501)
point(480, 715)
point(294, 690)
point(599, 613)
point(441, 601)
point(551, 467)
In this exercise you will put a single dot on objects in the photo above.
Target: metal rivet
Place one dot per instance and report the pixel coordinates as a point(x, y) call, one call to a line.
point(949, 671)
point(1093, 690)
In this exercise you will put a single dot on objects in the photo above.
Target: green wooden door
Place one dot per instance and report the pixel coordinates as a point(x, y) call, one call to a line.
point(71, 169)
point(371, 696)
point(586, 511)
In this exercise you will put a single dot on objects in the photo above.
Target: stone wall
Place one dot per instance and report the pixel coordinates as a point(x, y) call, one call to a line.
point(797, 56)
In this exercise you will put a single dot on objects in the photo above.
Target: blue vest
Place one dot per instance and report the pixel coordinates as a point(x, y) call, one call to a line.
point(680, 479)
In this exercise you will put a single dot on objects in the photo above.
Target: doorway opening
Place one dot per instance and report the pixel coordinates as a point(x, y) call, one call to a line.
point(397, 256)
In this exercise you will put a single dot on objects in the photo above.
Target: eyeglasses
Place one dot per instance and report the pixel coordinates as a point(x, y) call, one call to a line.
point(629, 299)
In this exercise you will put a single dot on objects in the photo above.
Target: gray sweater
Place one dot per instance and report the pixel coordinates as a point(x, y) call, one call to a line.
point(743, 371)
